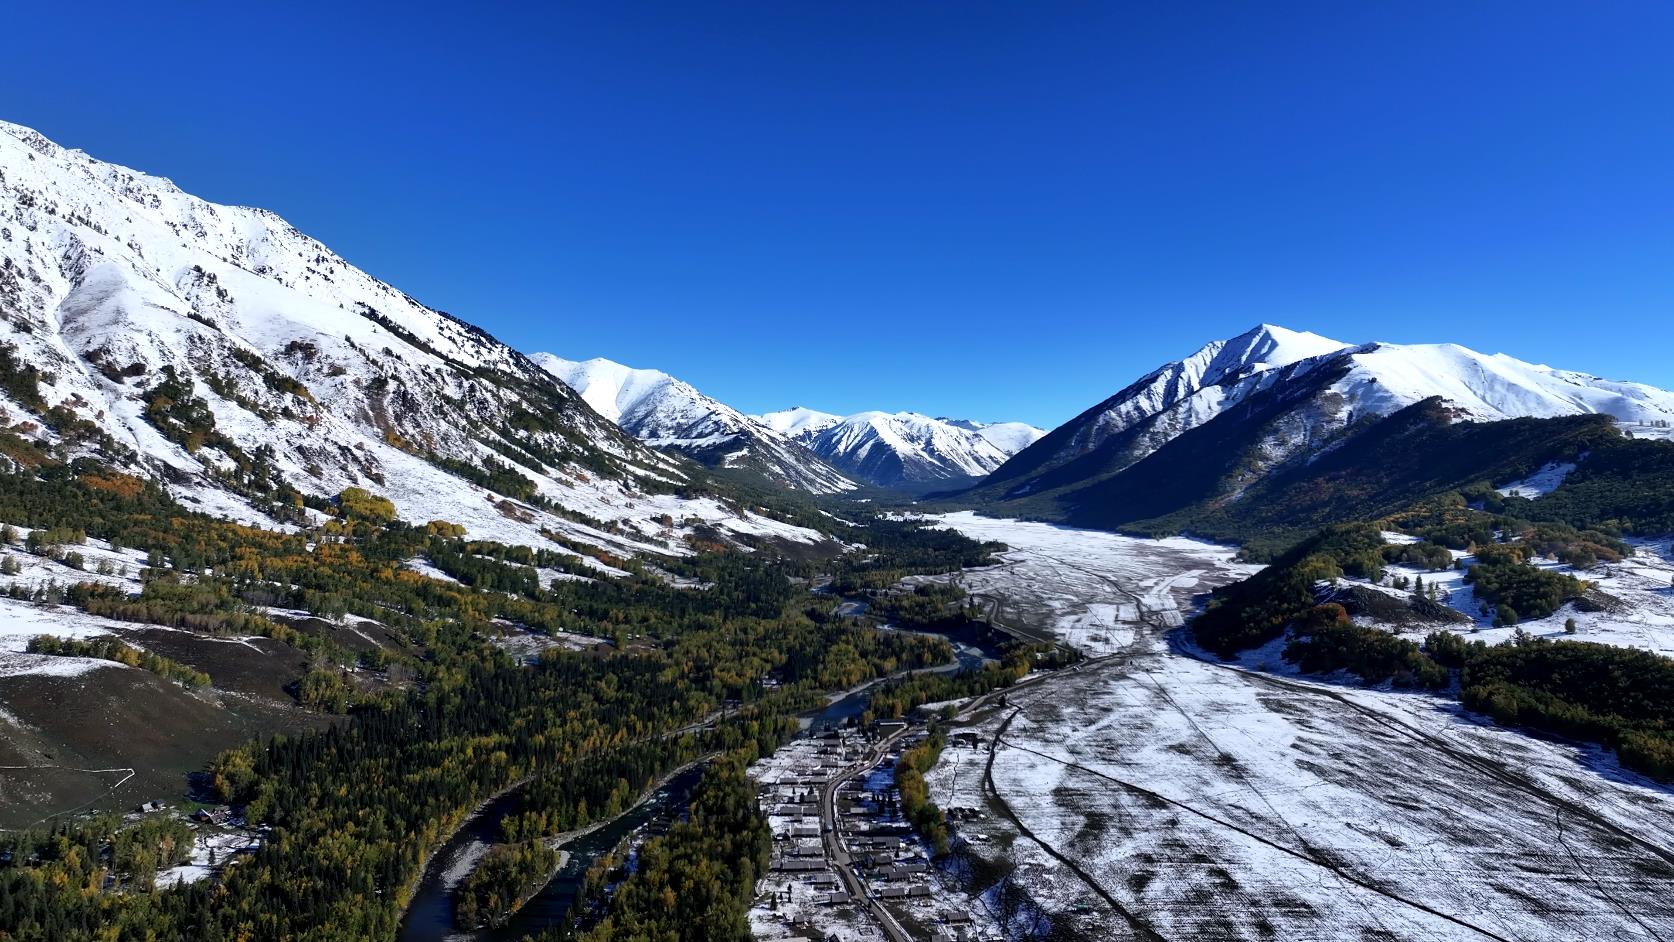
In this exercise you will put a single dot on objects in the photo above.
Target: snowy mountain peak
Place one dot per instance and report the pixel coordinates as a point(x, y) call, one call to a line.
point(1266, 346)
point(891, 448)
point(219, 350)
point(670, 414)
point(799, 422)
point(1328, 386)
point(609, 387)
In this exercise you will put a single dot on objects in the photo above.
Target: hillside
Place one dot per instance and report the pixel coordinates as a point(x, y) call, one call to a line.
point(253, 371)
point(1264, 435)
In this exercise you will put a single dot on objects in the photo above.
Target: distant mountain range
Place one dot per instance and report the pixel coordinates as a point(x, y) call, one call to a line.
point(812, 451)
point(668, 414)
point(896, 448)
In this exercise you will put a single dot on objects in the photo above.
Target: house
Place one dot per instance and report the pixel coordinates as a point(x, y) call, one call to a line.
point(798, 865)
point(151, 807)
point(216, 816)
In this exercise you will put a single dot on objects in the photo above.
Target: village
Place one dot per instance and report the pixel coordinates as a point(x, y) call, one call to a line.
point(846, 863)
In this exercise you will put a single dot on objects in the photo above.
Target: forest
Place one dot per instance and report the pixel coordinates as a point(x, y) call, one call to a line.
point(1613, 696)
point(355, 808)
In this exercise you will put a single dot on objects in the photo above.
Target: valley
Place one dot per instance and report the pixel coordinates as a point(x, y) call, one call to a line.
point(326, 615)
point(1159, 794)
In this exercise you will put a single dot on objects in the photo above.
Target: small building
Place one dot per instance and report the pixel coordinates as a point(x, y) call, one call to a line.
point(798, 865)
point(216, 816)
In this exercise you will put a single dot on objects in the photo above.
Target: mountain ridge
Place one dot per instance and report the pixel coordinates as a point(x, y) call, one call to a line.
point(226, 353)
point(895, 448)
point(1204, 431)
point(670, 414)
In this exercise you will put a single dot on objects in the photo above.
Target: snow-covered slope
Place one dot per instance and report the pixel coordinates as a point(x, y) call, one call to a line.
point(1384, 377)
point(222, 351)
point(1009, 437)
point(1328, 386)
point(891, 448)
point(1172, 399)
point(798, 422)
point(670, 414)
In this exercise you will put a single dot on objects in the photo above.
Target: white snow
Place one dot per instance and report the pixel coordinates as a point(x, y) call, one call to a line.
point(665, 412)
point(1088, 586)
point(1385, 377)
point(1540, 483)
point(798, 422)
point(869, 445)
point(121, 276)
point(1377, 379)
point(20, 621)
point(1640, 614)
point(1214, 801)
point(223, 845)
point(16, 664)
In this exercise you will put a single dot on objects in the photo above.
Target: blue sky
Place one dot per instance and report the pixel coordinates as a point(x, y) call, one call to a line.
point(991, 210)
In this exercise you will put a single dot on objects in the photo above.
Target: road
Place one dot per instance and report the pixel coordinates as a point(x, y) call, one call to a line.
point(834, 850)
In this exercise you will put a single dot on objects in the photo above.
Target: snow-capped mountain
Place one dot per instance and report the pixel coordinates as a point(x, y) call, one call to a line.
point(1009, 437)
point(1326, 387)
point(220, 350)
point(669, 414)
point(889, 449)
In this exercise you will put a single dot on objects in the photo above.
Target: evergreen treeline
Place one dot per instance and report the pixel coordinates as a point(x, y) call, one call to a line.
point(926, 818)
point(109, 648)
point(506, 876)
point(696, 883)
point(96, 861)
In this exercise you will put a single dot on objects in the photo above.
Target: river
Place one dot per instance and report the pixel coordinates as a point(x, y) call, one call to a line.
point(430, 916)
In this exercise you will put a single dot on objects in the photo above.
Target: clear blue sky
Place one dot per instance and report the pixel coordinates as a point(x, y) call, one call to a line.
point(1002, 210)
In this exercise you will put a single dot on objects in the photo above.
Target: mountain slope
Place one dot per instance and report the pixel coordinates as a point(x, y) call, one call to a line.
point(890, 449)
point(1169, 400)
point(1231, 440)
point(669, 414)
point(222, 351)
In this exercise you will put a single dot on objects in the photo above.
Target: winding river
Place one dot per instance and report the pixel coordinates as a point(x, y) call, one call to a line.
point(430, 915)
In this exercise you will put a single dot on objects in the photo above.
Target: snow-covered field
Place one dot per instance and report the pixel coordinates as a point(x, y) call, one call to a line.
point(1175, 797)
point(1090, 588)
point(1634, 601)
point(211, 851)
point(1540, 483)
